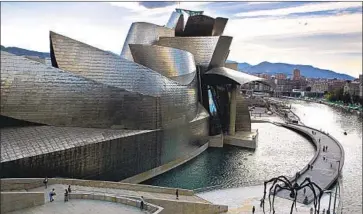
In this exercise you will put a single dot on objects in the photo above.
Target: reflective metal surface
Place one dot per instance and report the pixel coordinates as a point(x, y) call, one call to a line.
point(35, 92)
point(144, 33)
point(176, 21)
point(199, 25)
point(219, 25)
point(202, 48)
point(237, 76)
point(170, 62)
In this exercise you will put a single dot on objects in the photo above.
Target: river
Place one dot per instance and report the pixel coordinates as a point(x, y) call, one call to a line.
point(279, 152)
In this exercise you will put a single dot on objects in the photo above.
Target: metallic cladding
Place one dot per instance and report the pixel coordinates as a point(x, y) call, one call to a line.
point(144, 33)
point(202, 48)
point(199, 25)
point(175, 102)
point(38, 93)
point(170, 62)
point(101, 66)
point(219, 25)
point(221, 52)
point(237, 76)
point(173, 20)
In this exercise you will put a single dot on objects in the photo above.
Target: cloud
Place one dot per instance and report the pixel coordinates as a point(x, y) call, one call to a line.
point(330, 40)
point(157, 4)
point(301, 9)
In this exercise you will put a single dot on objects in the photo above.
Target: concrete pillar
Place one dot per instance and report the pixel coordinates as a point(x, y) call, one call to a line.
point(232, 111)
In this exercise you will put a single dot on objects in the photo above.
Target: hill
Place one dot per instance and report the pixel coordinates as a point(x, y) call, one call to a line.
point(306, 70)
point(22, 52)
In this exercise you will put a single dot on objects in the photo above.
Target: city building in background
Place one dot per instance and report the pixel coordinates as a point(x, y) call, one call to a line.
point(296, 74)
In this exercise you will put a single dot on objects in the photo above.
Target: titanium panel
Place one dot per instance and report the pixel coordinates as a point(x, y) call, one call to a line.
point(219, 25)
point(144, 33)
point(175, 103)
point(38, 93)
point(170, 62)
point(176, 22)
point(199, 25)
point(221, 52)
point(202, 48)
point(236, 76)
point(107, 68)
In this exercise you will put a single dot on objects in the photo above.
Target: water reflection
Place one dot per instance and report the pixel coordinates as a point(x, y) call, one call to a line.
point(336, 121)
point(232, 167)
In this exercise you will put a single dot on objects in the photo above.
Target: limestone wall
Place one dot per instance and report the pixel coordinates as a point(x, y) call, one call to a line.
point(11, 201)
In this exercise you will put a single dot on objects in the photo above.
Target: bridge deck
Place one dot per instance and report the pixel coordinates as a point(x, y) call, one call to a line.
point(324, 172)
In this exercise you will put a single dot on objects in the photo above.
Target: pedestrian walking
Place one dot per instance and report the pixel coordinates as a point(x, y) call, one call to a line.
point(331, 165)
point(261, 202)
point(69, 189)
point(326, 148)
point(253, 209)
point(319, 140)
point(142, 203)
point(323, 211)
point(45, 182)
point(311, 210)
point(51, 195)
point(177, 194)
point(304, 191)
point(66, 195)
point(323, 158)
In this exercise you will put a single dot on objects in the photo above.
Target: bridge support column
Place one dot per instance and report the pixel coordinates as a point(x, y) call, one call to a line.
point(232, 110)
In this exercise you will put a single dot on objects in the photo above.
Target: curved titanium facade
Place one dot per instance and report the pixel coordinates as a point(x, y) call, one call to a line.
point(176, 22)
point(199, 25)
point(144, 33)
point(174, 101)
point(229, 74)
point(170, 62)
point(38, 93)
point(203, 48)
point(95, 114)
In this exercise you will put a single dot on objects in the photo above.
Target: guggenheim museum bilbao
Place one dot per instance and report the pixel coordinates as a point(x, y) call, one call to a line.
point(98, 115)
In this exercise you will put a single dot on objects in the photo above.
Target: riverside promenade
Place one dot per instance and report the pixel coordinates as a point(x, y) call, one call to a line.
point(93, 196)
point(326, 165)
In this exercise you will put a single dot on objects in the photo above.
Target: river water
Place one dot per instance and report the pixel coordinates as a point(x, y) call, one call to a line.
point(279, 152)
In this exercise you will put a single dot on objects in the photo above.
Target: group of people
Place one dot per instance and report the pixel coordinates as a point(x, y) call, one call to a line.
point(53, 193)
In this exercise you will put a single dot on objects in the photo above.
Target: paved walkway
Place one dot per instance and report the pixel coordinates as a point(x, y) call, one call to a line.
point(80, 206)
point(324, 172)
point(60, 188)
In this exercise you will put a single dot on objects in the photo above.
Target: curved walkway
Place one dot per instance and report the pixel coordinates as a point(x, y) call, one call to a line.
point(324, 172)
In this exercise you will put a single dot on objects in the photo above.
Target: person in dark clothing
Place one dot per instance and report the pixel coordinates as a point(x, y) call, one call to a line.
point(45, 182)
point(177, 194)
point(142, 203)
point(69, 189)
point(304, 191)
point(253, 209)
point(66, 195)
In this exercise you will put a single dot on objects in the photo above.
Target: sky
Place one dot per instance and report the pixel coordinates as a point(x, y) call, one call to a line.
point(327, 35)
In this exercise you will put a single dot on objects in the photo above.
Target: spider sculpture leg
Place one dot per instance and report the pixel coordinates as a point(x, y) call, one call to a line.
point(273, 198)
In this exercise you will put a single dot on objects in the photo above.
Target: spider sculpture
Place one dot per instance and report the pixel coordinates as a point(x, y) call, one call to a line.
point(293, 189)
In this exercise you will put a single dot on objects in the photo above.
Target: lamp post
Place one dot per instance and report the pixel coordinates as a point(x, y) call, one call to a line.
point(336, 188)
